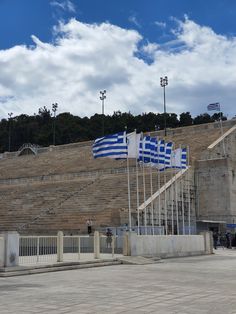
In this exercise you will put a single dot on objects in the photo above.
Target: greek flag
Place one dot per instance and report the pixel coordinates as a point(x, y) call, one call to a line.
point(153, 151)
point(179, 158)
point(168, 152)
point(215, 106)
point(159, 156)
point(145, 149)
point(111, 146)
point(184, 158)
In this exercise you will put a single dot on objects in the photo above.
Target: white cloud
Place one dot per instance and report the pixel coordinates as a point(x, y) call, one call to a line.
point(133, 19)
point(160, 24)
point(65, 5)
point(87, 58)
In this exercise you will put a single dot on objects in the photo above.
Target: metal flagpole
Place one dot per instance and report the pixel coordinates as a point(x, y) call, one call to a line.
point(159, 198)
point(137, 186)
point(128, 177)
point(172, 198)
point(182, 199)
point(177, 206)
point(165, 205)
point(159, 184)
point(166, 226)
point(152, 210)
point(144, 190)
point(189, 196)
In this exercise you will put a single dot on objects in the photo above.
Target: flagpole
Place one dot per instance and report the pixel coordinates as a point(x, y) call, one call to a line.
point(129, 202)
point(159, 184)
point(177, 206)
point(144, 189)
point(152, 210)
point(172, 205)
point(137, 187)
point(182, 199)
point(189, 196)
point(165, 205)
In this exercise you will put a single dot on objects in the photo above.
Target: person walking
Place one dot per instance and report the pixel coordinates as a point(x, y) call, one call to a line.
point(215, 239)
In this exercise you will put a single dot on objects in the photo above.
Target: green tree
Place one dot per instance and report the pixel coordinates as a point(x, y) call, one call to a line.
point(185, 119)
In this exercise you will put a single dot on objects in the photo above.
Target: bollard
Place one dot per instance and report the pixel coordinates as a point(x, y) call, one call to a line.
point(126, 246)
point(113, 246)
point(11, 249)
point(60, 246)
point(96, 244)
point(208, 241)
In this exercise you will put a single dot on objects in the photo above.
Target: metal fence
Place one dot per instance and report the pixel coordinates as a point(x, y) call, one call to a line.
point(37, 249)
point(45, 249)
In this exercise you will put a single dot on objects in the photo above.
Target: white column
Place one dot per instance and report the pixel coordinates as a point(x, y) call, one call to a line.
point(96, 244)
point(11, 250)
point(60, 246)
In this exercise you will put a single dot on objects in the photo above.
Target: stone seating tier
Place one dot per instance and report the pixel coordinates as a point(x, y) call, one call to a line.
point(41, 198)
point(68, 205)
point(72, 158)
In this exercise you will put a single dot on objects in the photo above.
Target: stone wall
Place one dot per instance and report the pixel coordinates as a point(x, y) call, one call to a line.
point(215, 181)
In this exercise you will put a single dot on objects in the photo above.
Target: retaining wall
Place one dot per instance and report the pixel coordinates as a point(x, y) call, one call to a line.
point(168, 246)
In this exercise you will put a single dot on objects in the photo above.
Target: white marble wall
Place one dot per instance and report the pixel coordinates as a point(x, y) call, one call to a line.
point(166, 246)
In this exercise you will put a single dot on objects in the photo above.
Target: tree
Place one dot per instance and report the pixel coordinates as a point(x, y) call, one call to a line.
point(185, 119)
point(202, 118)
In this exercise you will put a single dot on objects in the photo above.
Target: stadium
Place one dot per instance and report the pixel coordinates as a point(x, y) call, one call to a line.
point(47, 189)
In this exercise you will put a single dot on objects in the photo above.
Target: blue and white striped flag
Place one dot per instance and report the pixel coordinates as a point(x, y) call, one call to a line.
point(215, 106)
point(153, 151)
point(168, 152)
point(184, 158)
point(144, 149)
point(160, 155)
point(179, 158)
point(111, 146)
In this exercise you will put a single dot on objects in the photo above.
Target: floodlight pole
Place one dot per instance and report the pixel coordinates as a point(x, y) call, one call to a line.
point(54, 109)
point(9, 131)
point(164, 83)
point(103, 97)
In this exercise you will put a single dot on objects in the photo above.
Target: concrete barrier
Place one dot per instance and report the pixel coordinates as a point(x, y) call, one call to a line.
point(2, 251)
point(9, 249)
point(168, 246)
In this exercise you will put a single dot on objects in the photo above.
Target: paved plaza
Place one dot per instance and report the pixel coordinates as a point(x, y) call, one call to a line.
point(203, 284)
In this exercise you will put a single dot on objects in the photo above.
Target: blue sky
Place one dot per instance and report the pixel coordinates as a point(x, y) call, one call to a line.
point(65, 51)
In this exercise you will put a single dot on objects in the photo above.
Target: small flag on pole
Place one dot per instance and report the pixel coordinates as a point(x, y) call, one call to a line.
point(133, 140)
point(111, 146)
point(179, 158)
point(144, 150)
point(215, 106)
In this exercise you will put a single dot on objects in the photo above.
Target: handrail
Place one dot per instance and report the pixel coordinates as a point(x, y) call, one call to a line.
point(221, 138)
point(162, 189)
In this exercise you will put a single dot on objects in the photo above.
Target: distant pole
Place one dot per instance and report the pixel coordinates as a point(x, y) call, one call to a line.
point(103, 97)
point(164, 83)
point(54, 109)
point(9, 131)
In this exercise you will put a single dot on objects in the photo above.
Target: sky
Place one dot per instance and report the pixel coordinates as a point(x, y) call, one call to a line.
point(67, 51)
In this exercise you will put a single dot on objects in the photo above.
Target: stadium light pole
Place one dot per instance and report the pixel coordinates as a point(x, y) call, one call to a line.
point(164, 83)
point(9, 131)
point(54, 109)
point(103, 97)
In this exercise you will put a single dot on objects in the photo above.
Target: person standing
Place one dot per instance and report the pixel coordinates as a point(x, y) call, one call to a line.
point(109, 238)
point(215, 239)
point(89, 226)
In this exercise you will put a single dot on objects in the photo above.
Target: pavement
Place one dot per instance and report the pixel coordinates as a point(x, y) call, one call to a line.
point(200, 284)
